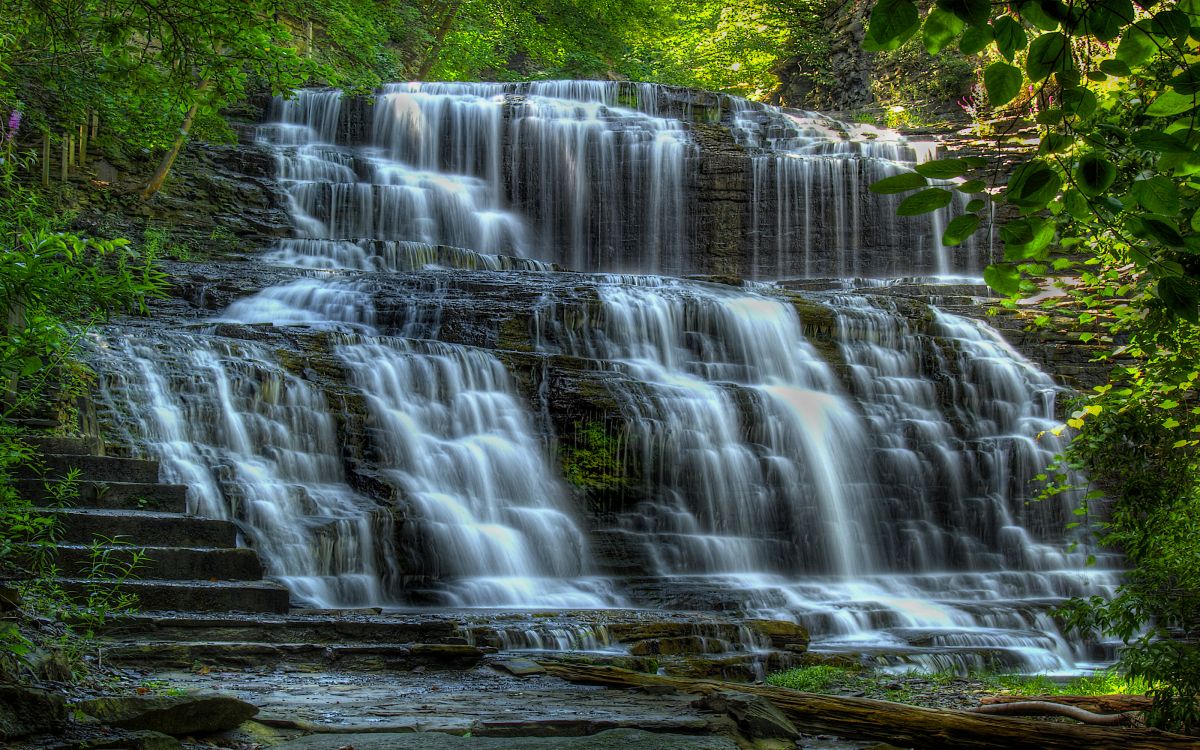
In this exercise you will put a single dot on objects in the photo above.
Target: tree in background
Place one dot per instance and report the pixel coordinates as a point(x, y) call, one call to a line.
point(1106, 225)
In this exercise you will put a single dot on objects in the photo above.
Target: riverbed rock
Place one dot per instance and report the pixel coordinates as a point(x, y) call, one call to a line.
point(175, 714)
point(613, 739)
point(783, 634)
point(756, 717)
point(25, 711)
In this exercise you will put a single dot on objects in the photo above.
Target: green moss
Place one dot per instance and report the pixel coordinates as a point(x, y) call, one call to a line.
point(814, 679)
point(592, 460)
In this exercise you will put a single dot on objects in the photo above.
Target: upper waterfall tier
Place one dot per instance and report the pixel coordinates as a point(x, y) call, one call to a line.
point(600, 176)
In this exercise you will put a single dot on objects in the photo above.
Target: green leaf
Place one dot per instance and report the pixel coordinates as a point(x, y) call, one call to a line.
point(1157, 195)
point(898, 183)
point(1026, 238)
point(924, 202)
point(892, 23)
point(1031, 11)
point(943, 169)
point(1078, 102)
point(1187, 82)
point(971, 11)
point(974, 39)
point(1170, 103)
point(1003, 83)
point(1172, 24)
point(1162, 231)
point(1032, 185)
point(975, 205)
point(959, 229)
point(1136, 46)
point(1180, 296)
point(1003, 277)
point(1010, 36)
point(1104, 19)
point(940, 29)
point(1115, 68)
point(1094, 174)
point(1054, 143)
point(971, 186)
point(1155, 140)
point(1048, 54)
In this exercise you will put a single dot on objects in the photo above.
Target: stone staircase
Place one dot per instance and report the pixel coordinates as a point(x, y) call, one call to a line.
point(187, 563)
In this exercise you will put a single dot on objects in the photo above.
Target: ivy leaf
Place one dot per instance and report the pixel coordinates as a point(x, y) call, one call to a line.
point(1171, 103)
point(940, 29)
point(892, 23)
point(924, 202)
point(943, 169)
point(898, 183)
point(1003, 277)
point(1010, 36)
point(1094, 174)
point(1003, 83)
point(1049, 53)
point(1157, 195)
point(959, 229)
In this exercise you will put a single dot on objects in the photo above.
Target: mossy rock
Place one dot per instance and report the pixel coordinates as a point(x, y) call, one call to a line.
point(170, 714)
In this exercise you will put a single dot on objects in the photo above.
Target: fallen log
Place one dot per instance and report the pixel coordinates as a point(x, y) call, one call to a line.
point(1105, 704)
point(1046, 708)
point(897, 723)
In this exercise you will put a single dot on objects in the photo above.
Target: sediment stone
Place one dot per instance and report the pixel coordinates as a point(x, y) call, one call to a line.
point(25, 711)
point(756, 717)
point(613, 739)
point(783, 634)
point(691, 644)
point(174, 715)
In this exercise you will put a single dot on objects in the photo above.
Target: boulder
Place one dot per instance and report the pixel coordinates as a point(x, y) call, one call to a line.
point(782, 634)
point(25, 711)
point(175, 715)
point(756, 717)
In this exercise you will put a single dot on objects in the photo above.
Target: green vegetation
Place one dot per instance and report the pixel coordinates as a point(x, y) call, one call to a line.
point(1107, 220)
point(920, 688)
point(592, 461)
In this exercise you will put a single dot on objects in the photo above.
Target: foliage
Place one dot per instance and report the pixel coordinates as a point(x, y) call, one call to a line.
point(812, 679)
point(592, 461)
point(1107, 215)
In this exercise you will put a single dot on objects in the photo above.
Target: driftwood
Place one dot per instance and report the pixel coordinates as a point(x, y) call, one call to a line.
point(896, 723)
point(1046, 708)
point(1105, 704)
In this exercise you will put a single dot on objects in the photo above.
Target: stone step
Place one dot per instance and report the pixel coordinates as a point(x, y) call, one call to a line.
point(94, 468)
point(357, 656)
point(291, 628)
point(75, 445)
point(169, 498)
point(165, 563)
point(142, 528)
point(194, 596)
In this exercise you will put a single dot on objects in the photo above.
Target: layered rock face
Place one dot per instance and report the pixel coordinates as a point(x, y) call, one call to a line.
point(408, 402)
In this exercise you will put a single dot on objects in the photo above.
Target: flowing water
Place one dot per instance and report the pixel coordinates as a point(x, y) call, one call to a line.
point(842, 459)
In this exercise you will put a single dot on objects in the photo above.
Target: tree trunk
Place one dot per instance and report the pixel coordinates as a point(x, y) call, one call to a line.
point(435, 49)
point(896, 723)
point(1115, 704)
point(168, 160)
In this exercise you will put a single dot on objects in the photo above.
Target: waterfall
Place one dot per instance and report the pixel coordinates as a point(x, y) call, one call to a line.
point(375, 407)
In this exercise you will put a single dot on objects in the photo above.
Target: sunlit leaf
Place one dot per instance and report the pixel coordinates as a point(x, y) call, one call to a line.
point(898, 183)
point(959, 229)
point(1002, 82)
point(924, 202)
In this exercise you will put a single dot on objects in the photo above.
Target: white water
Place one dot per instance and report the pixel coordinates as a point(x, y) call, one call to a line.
point(869, 478)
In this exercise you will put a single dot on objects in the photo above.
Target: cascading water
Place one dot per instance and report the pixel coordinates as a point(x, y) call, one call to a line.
point(869, 479)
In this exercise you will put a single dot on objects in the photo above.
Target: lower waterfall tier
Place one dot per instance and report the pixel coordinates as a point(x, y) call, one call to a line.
point(861, 463)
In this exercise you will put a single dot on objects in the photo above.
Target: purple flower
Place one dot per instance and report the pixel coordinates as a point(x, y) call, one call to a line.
point(14, 124)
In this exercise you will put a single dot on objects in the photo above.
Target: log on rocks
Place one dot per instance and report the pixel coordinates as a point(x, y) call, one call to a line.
point(1104, 704)
point(897, 723)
